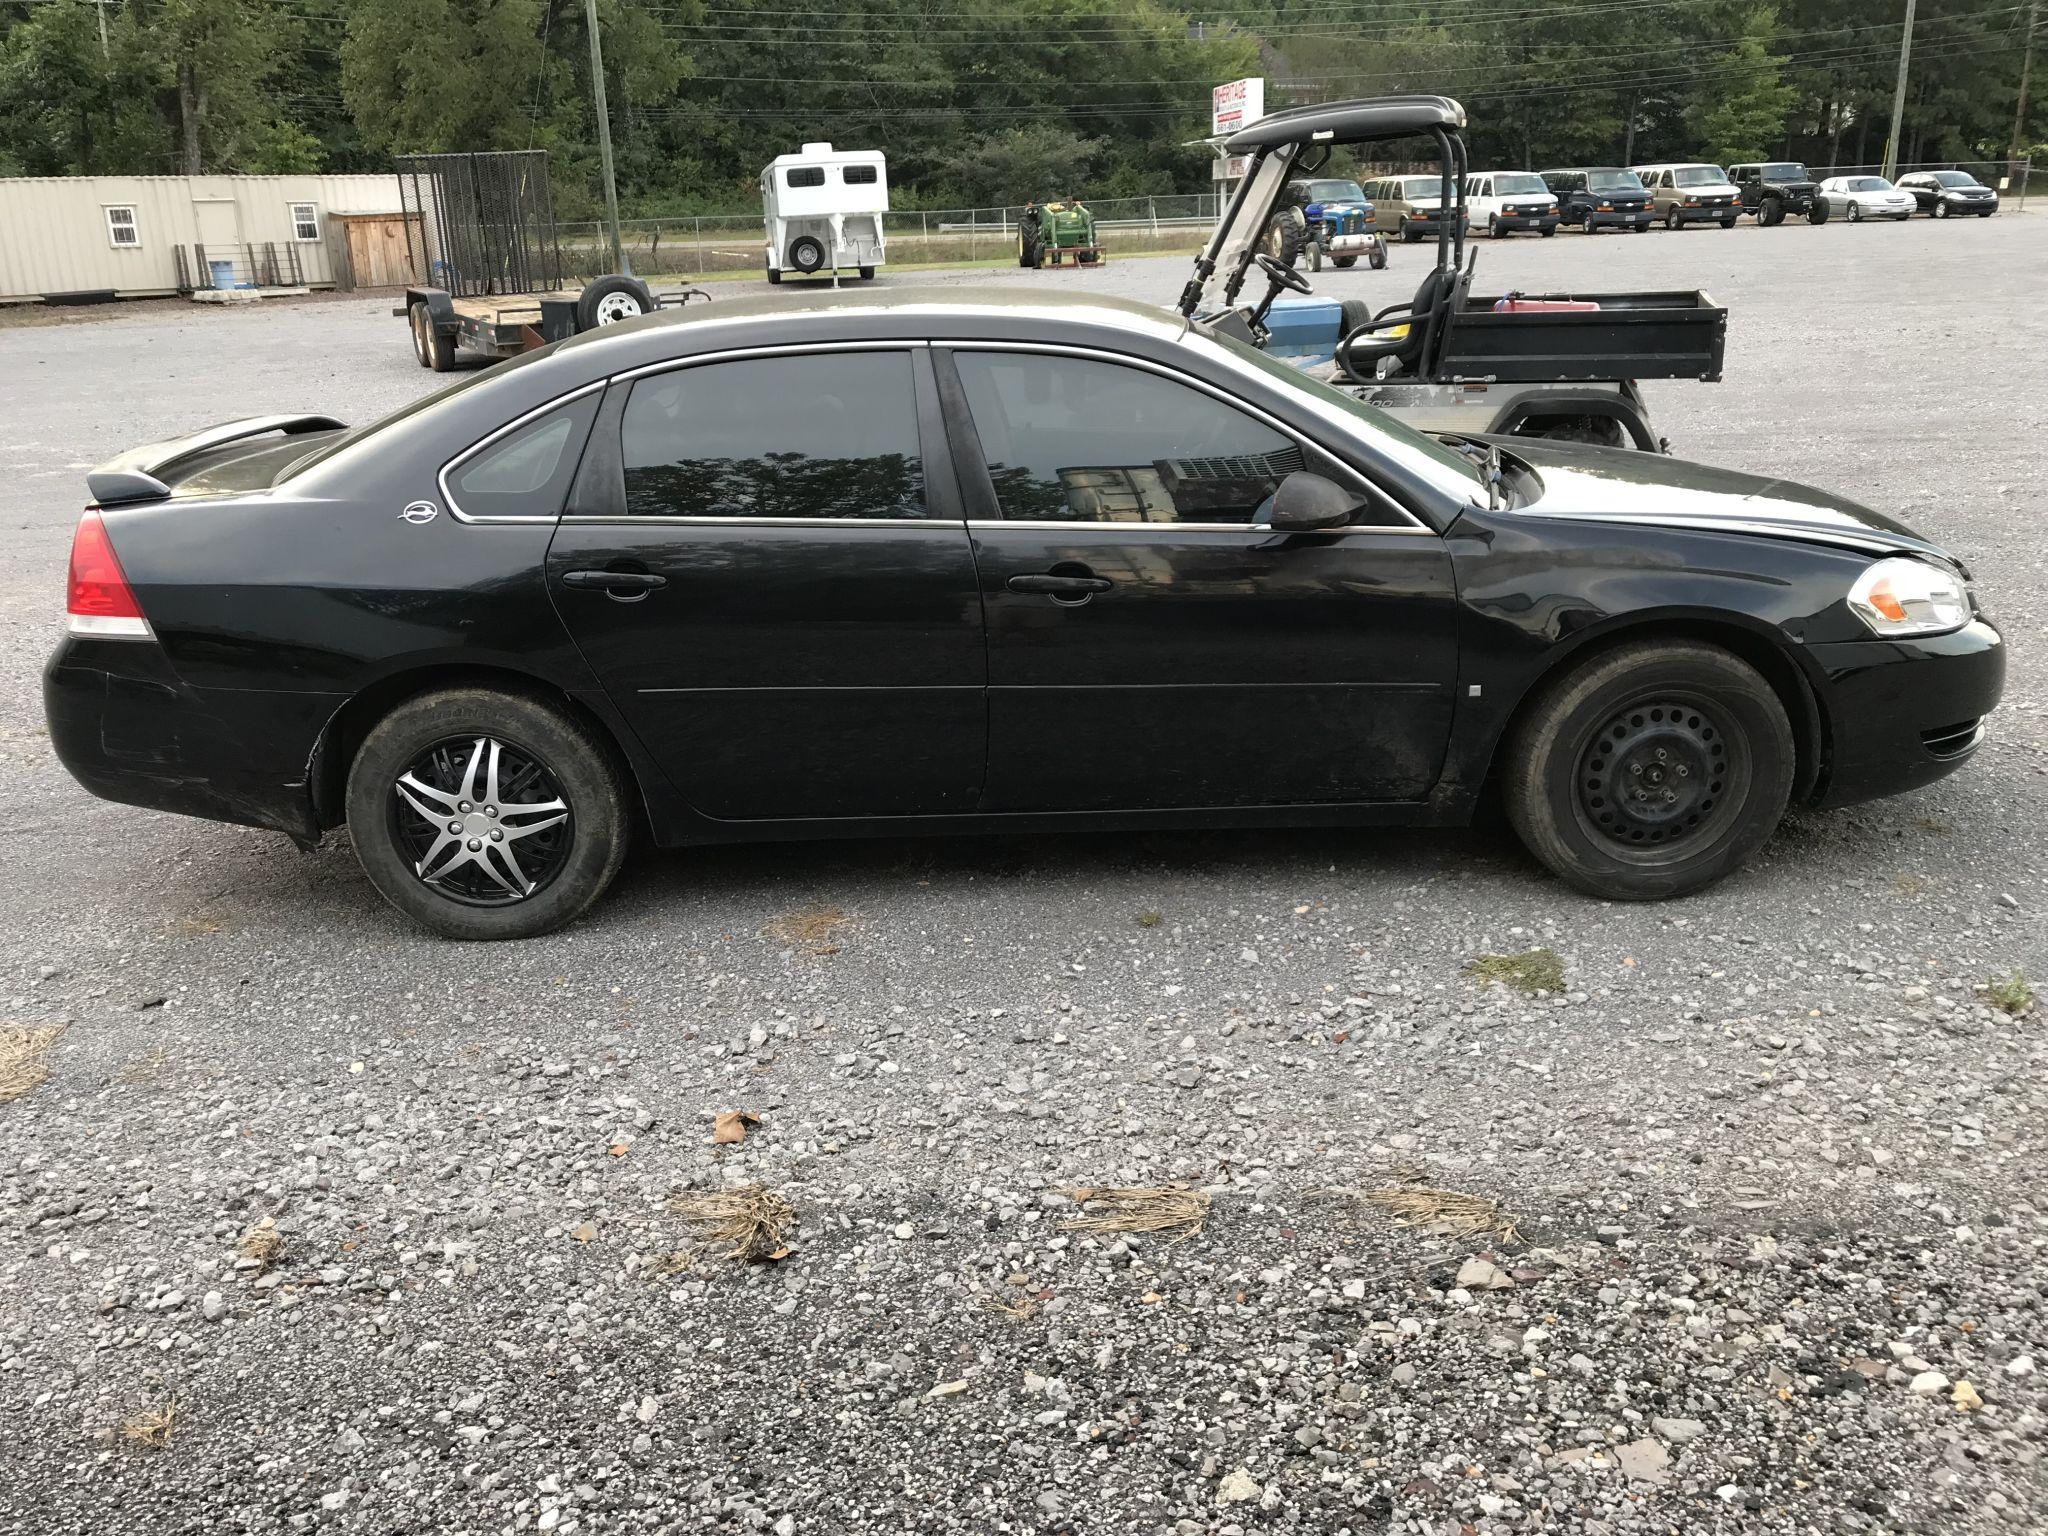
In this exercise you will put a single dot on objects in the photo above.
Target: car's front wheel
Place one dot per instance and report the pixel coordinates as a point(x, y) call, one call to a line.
point(484, 814)
point(1940, 209)
point(1650, 771)
point(1855, 213)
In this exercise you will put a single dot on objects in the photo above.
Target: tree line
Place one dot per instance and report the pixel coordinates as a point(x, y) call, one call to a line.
point(976, 101)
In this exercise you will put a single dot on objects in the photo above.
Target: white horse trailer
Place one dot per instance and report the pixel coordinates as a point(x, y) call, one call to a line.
point(823, 208)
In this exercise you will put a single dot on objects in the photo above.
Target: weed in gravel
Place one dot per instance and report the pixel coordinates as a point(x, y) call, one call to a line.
point(191, 927)
point(750, 1220)
point(1174, 1209)
point(1537, 970)
point(263, 1243)
point(1148, 919)
point(1444, 1210)
point(813, 929)
point(1018, 1311)
point(666, 1266)
point(2008, 994)
point(24, 1057)
point(152, 1427)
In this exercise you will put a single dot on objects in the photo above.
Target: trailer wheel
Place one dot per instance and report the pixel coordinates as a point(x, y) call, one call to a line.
point(807, 253)
point(434, 347)
point(867, 274)
point(608, 300)
point(774, 275)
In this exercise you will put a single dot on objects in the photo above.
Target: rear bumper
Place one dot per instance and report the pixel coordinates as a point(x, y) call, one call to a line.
point(128, 729)
point(1904, 713)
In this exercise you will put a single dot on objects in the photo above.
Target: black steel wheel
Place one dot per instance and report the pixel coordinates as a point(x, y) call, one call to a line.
point(486, 815)
point(1650, 771)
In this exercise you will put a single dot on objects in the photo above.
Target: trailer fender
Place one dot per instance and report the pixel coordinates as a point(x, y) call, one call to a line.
point(439, 306)
point(1528, 416)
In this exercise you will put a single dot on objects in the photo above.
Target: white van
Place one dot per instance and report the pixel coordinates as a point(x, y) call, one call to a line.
point(1503, 201)
point(823, 208)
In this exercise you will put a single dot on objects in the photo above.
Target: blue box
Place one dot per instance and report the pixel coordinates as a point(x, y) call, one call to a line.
point(1304, 328)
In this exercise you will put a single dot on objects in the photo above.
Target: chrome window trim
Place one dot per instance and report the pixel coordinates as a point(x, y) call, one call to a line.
point(952, 524)
point(477, 447)
point(767, 349)
point(1260, 528)
point(1258, 413)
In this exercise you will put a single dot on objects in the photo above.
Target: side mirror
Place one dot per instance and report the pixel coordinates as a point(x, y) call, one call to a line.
point(1305, 502)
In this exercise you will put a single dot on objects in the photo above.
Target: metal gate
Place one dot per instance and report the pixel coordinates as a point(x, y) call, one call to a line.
point(480, 224)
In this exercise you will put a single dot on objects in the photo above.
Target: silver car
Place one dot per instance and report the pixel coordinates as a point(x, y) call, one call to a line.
point(1865, 197)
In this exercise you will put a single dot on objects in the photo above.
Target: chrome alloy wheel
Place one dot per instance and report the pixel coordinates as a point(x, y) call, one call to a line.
point(482, 821)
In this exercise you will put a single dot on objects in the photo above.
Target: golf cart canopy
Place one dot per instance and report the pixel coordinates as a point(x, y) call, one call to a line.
point(1298, 141)
point(1349, 122)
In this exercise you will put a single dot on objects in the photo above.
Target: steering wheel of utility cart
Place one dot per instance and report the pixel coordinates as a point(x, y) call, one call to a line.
point(1282, 274)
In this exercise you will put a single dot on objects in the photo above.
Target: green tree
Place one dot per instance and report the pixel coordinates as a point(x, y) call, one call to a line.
point(1742, 102)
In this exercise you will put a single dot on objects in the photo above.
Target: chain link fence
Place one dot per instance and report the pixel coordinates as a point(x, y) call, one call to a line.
point(694, 246)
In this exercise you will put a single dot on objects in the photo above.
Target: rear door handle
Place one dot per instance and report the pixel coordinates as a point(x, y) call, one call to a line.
point(1060, 586)
point(617, 583)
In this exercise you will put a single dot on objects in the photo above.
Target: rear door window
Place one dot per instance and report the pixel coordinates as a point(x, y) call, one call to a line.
point(817, 435)
point(526, 472)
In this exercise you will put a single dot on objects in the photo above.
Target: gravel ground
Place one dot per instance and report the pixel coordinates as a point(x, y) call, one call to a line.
point(374, 1232)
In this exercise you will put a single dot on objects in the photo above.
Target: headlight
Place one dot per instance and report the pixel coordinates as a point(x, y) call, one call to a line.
point(1901, 597)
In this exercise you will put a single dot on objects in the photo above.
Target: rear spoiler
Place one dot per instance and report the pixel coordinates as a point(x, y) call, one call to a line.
point(132, 476)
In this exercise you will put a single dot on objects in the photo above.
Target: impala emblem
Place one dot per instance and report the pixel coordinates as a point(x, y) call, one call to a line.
point(419, 512)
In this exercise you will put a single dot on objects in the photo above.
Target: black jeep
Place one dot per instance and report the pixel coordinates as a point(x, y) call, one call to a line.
point(1773, 188)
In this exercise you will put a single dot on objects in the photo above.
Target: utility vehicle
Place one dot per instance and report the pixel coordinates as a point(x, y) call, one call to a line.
point(1539, 365)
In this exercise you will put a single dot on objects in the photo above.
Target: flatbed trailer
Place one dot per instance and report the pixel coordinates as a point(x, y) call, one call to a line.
point(502, 325)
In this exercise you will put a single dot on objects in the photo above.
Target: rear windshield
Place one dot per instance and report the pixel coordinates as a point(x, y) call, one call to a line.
point(1698, 176)
point(354, 435)
point(1335, 192)
point(1518, 184)
point(1783, 171)
point(1613, 181)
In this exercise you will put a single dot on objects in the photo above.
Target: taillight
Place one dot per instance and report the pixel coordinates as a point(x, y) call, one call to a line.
point(101, 603)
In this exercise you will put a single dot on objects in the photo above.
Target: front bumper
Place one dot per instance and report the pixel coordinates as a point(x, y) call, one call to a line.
point(127, 728)
point(1509, 221)
point(1708, 215)
point(1979, 205)
point(1620, 218)
point(1903, 713)
point(1427, 223)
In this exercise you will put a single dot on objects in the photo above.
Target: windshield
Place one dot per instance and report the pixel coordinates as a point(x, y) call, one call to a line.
point(1232, 243)
point(1698, 176)
point(1784, 171)
point(1516, 184)
point(1443, 468)
point(1870, 184)
point(1613, 181)
point(1422, 188)
point(1335, 192)
point(1956, 179)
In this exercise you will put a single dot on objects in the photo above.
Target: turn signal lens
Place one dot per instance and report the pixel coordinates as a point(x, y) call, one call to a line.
point(100, 601)
point(1899, 597)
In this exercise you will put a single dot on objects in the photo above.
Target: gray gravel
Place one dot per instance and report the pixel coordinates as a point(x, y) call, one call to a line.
point(1773, 1159)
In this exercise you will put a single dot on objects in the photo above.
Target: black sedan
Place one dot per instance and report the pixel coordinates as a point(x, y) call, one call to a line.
point(1948, 193)
point(930, 563)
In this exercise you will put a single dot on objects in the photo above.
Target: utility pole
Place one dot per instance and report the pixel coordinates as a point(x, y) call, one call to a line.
point(101, 7)
point(2019, 114)
point(1891, 145)
point(604, 137)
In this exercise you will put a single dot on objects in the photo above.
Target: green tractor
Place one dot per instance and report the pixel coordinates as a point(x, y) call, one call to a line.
point(1057, 230)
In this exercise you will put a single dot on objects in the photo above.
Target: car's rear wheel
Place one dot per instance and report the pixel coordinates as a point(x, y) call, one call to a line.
point(1940, 209)
point(1650, 771)
point(484, 814)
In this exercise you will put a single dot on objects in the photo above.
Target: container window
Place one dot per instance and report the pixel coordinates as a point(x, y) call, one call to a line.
point(859, 175)
point(804, 176)
point(121, 226)
point(305, 221)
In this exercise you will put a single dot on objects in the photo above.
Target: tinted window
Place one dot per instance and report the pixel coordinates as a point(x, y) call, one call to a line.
point(1699, 176)
point(526, 473)
point(1614, 181)
point(1335, 192)
point(1784, 170)
point(1951, 179)
point(1068, 439)
point(833, 434)
point(804, 176)
point(858, 175)
point(1519, 185)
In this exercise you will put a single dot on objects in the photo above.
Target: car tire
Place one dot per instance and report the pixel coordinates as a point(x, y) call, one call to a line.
point(610, 299)
point(1729, 222)
point(1408, 235)
point(1771, 213)
point(1855, 213)
point(1547, 231)
point(1818, 213)
point(573, 766)
point(1493, 226)
point(807, 254)
point(1940, 209)
point(1632, 718)
point(1671, 219)
point(434, 347)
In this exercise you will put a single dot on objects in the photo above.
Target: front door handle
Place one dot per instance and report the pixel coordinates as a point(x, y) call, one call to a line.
point(1050, 585)
point(626, 586)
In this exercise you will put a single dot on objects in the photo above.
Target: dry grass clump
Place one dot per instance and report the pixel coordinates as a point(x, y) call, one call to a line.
point(24, 1058)
point(749, 1220)
point(1535, 970)
point(1444, 1210)
point(813, 929)
point(152, 1427)
point(263, 1243)
point(1175, 1208)
point(2008, 994)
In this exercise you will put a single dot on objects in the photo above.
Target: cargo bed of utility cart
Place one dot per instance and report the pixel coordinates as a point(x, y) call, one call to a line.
point(1670, 335)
